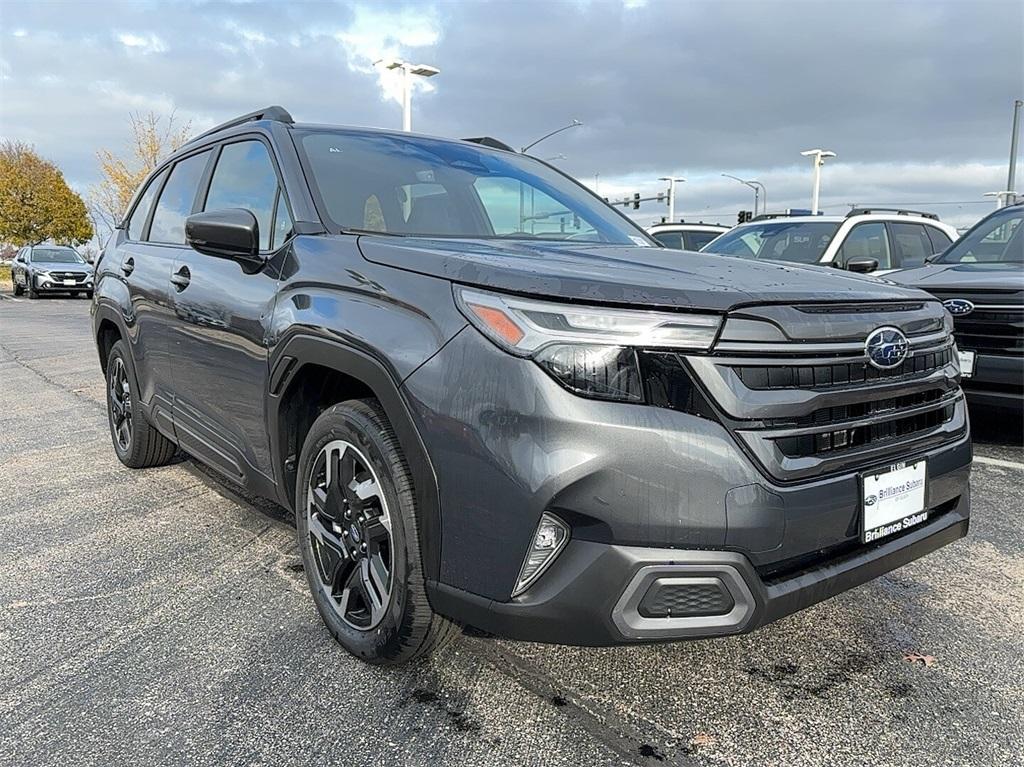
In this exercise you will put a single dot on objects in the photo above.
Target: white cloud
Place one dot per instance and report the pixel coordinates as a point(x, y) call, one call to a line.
point(20, 33)
point(145, 44)
point(385, 34)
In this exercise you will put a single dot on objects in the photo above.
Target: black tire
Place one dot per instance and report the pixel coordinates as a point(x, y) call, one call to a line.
point(408, 628)
point(144, 446)
point(32, 293)
point(88, 295)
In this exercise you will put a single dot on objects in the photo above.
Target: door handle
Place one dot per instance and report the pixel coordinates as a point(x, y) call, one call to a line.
point(128, 266)
point(181, 278)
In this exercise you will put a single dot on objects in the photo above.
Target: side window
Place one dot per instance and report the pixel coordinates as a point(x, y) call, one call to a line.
point(138, 220)
point(176, 200)
point(697, 240)
point(940, 240)
point(866, 241)
point(910, 244)
point(245, 178)
point(672, 240)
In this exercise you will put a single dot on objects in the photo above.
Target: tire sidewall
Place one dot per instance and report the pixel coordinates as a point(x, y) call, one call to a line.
point(352, 425)
point(118, 351)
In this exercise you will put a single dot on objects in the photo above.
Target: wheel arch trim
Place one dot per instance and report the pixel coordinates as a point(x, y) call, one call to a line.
point(302, 349)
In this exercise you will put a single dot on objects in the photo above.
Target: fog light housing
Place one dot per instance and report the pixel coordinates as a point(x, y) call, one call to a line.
point(549, 540)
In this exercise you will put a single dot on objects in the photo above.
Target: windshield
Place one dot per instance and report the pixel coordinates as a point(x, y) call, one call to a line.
point(803, 242)
point(374, 182)
point(56, 256)
point(998, 239)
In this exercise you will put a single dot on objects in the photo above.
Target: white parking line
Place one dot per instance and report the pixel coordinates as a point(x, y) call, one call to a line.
point(999, 462)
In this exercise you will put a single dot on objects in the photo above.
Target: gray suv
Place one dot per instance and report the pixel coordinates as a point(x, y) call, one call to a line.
point(491, 400)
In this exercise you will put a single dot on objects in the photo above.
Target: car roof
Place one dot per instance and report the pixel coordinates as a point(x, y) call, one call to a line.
point(681, 227)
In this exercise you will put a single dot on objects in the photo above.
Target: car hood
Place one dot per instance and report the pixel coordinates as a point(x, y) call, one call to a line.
point(59, 266)
point(961, 276)
point(624, 275)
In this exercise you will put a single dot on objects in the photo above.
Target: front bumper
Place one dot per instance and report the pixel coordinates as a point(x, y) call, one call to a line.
point(998, 381)
point(58, 286)
point(590, 597)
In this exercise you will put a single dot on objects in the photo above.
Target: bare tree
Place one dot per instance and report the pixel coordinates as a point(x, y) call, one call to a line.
point(153, 137)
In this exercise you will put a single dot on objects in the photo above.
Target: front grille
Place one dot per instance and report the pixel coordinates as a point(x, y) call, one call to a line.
point(796, 388)
point(996, 326)
point(76, 276)
point(681, 597)
point(838, 374)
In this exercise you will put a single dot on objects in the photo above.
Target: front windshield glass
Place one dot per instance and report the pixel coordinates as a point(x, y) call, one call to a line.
point(996, 240)
point(56, 256)
point(415, 186)
point(803, 242)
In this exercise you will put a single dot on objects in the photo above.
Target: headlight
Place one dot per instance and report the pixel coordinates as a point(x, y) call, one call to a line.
point(590, 350)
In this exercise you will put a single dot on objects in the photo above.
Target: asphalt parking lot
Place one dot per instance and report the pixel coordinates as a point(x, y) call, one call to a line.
point(158, 617)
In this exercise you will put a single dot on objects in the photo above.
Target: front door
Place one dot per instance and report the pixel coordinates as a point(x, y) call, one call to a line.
point(222, 316)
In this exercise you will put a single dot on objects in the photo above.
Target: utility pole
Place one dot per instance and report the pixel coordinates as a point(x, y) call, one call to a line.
point(1011, 178)
point(422, 70)
point(671, 195)
point(818, 156)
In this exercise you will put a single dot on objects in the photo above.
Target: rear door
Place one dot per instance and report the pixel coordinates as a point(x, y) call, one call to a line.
point(222, 317)
point(154, 233)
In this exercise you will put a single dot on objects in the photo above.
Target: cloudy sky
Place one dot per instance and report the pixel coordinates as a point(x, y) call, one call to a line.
point(914, 97)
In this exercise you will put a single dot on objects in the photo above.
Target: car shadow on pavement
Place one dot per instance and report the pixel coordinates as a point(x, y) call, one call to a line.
point(997, 426)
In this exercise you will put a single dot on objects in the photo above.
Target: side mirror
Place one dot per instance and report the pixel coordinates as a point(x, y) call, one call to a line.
point(232, 233)
point(861, 265)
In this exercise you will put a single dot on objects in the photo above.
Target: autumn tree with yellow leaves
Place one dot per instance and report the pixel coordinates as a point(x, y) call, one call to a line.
point(153, 137)
point(36, 204)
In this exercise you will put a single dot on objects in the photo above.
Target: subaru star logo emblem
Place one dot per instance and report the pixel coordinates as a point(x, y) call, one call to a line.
point(886, 348)
point(958, 307)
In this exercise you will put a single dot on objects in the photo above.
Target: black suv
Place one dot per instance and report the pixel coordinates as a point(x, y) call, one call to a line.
point(980, 280)
point(491, 400)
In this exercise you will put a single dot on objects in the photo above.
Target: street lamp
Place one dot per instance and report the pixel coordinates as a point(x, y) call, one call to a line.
point(671, 195)
point(759, 191)
point(1002, 198)
point(423, 70)
point(573, 124)
point(819, 156)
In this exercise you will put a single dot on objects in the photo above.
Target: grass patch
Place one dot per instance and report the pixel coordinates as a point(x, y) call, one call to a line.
point(5, 274)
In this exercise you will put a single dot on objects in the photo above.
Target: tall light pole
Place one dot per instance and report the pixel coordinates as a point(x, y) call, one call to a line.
point(423, 70)
point(819, 156)
point(573, 124)
point(671, 195)
point(759, 191)
point(1011, 178)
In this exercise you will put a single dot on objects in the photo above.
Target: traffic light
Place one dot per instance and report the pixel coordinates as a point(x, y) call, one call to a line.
point(744, 217)
point(636, 201)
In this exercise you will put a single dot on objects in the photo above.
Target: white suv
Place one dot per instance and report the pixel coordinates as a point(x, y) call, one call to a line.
point(875, 240)
point(683, 236)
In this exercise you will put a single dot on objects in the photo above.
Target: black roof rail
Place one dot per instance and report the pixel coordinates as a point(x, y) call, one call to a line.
point(897, 211)
point(275, 113)
point(770, 216)
point(493, 143)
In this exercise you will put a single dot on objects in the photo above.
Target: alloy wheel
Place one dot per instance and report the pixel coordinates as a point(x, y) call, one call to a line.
point(121, 404)
point(350, 534)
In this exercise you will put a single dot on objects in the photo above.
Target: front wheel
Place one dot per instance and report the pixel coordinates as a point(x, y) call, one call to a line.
point(18, 289)
point(355, 513)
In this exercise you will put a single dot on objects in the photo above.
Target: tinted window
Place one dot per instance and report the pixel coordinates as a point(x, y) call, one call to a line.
point(57, 256)
point(410, 185)
point(245, 178)
point(910, 244)
point(176, 200)
point(669, 239)
point(803, 242)
point(138, 220)
point(940, 240)
point(697, 240)
point(997, 239)
point(867, 241)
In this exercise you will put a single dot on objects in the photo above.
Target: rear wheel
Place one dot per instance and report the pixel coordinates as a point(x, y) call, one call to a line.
point(355, 513)
point(137, 444)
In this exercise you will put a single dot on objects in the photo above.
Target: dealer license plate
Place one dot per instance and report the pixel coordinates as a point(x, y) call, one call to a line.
point(69, 282)
point(893, 500)
point(966, 363)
